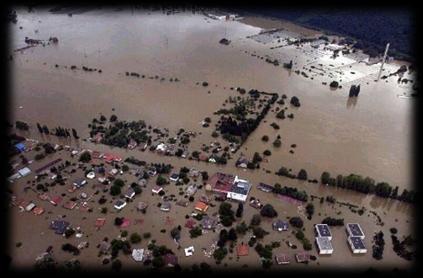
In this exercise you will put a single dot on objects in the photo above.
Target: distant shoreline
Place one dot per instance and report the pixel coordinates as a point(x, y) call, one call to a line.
point(398, 56)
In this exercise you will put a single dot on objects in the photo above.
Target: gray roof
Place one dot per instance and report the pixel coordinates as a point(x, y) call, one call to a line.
point(324, 243)
point(241, 187)
point(119, 202)
point(280, 224)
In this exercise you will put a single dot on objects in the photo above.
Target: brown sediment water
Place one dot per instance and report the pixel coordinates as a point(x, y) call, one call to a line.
point(368, 136)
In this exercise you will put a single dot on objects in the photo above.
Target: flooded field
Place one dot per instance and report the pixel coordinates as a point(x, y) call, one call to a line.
point(369, 135)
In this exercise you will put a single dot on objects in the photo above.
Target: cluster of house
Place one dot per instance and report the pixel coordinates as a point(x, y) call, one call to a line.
point(355, 239)
point(140, 255)
point(229, 186)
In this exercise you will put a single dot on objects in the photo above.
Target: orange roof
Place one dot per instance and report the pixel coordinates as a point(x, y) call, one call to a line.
point(201, 206)
point(242, 250)
point(100, 222)
point(38, 210)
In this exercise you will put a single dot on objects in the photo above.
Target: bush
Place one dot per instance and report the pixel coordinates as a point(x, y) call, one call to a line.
point(146, 235)
point(295, 101)
point(135, 238)
point(85, 157)
point(39, 156)
point(275, 125)
point(268, 211)
point(195, 232)
point(22, 125)
point(324, 179)
point(256, 220)
point(310, 210)
point(241, 228)
point(267, 153)
point(302, 175)
point(264, 251)
point(334, 84)
point(161, 180)
point(259, 232)
point(277, 143)
point(113, 118)
point(281, 114)
point(296, 222)
point(333, 221)
point(118, 183)
point(115, 190)
point(220, 253)
point(118, 221)
point(265, 138)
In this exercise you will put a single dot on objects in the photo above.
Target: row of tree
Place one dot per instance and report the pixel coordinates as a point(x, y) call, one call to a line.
point(368, 186)
point(58, 131)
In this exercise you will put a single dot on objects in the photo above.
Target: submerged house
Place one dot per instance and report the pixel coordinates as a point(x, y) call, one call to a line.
point(208, 223)
point(233, 187)
point(280, 225)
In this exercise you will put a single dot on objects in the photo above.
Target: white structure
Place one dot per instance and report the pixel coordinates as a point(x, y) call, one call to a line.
point(189, 251)
point(161, 147)
point(324, 246)
point(120, 204)
point(240, 190)
point(357, 245)
point(383, 61)
point(30, 206)
point(130, 193)
point(138, 255)
point(156, 189)
point(24, 171)
point(354, 230)
point(91, 175)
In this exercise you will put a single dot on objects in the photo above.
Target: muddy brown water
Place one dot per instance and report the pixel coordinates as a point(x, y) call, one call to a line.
point(370, 137)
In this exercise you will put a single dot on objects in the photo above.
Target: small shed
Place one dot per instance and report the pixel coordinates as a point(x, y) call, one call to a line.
point(20, 147)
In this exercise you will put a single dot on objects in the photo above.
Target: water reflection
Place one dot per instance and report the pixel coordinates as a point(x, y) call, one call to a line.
point(351, 101)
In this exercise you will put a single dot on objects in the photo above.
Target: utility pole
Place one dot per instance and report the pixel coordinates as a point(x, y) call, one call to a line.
point(383, 61)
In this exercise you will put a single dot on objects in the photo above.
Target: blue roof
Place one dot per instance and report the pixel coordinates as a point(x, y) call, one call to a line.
point(323, 230)
point(20, 147)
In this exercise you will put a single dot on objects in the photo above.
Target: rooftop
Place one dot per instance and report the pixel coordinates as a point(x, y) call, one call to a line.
point(324, 243)
point(242, 250)
point(357, 243)
point(221, 182)
point(354, 230)
point(323, 230)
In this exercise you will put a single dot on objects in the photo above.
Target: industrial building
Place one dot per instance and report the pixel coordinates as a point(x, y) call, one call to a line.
point(324, 245)
point(323, 230)
point(354, 230)
point(357, 245)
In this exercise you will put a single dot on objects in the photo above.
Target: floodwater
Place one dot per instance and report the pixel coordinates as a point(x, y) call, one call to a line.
point(369, 136)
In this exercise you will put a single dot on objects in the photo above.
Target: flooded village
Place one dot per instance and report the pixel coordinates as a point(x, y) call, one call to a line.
point(191, 139)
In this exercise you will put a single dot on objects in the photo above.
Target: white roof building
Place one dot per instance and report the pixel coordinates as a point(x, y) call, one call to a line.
point(324, 245)
point(138, 255)
point(323, 230)
point(357, 245)
point(189, 251)
point(120, 204)
point(354, 230)
point(24, 171)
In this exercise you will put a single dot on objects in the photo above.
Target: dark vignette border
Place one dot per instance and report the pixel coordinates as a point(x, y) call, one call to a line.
point(5, 111)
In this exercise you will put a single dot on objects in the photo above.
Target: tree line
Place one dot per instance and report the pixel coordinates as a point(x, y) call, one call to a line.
point(368, 186)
